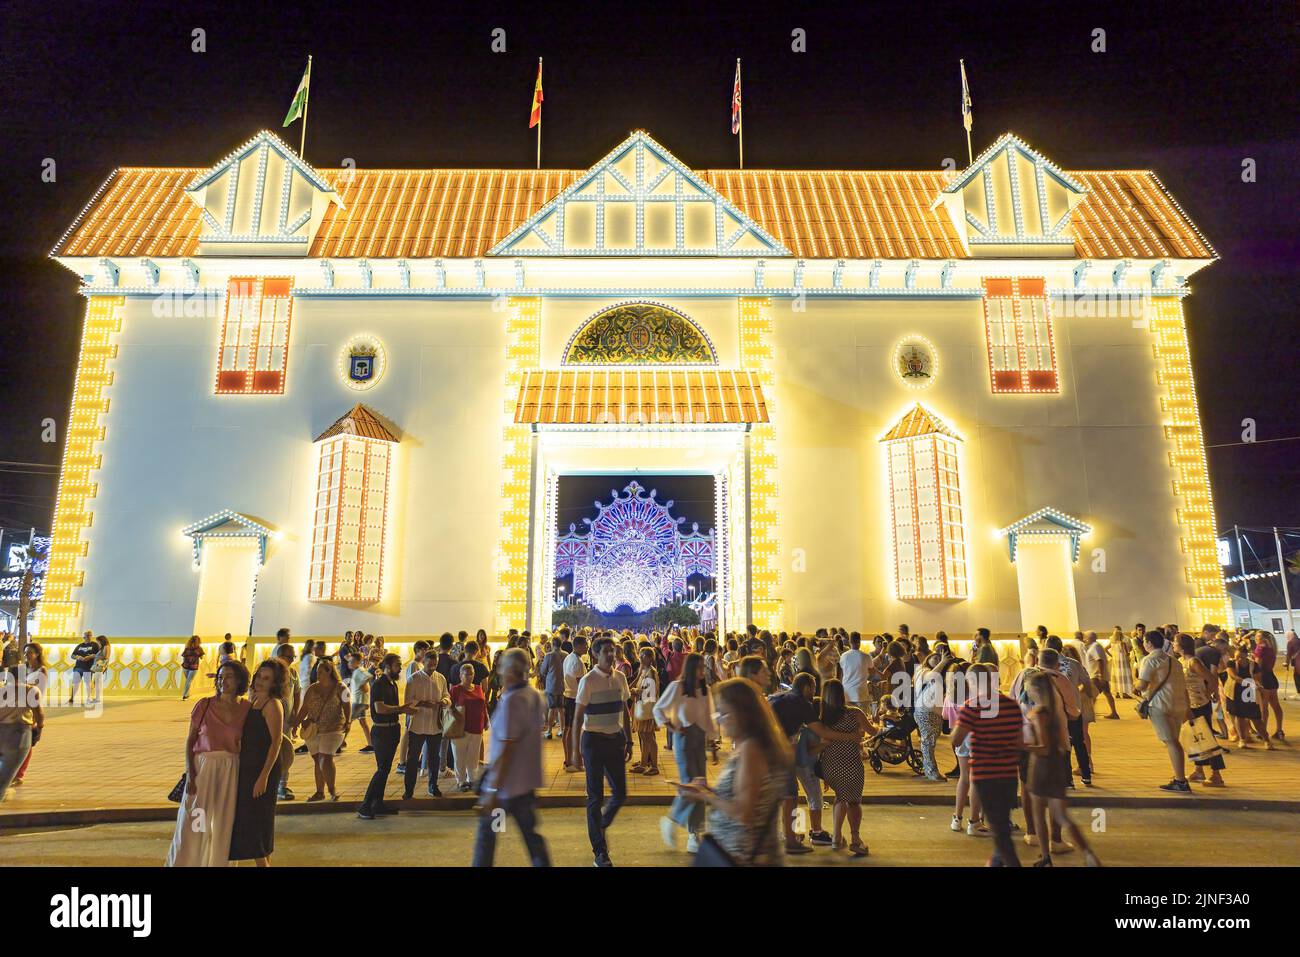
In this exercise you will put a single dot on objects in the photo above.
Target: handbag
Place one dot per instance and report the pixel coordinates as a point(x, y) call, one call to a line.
point(453, 723)
point(1197, 739)
point(178, 790)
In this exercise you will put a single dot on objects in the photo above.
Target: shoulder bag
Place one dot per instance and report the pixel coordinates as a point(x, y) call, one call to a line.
point(1144, 706)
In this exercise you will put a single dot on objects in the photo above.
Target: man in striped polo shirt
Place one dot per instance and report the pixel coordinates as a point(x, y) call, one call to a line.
point(994, 724)
point(600, 710)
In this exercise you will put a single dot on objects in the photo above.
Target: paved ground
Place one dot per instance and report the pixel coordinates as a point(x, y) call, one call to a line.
point(898, 836)
point(130, 754)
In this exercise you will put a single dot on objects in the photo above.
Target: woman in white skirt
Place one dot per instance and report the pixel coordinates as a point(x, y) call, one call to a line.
point(207, 811)
point(1121, 661)
point(324, 718)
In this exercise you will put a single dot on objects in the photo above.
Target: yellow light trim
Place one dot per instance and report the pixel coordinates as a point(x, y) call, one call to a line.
point(59, 614)
point(523, 352)
point(756, 355)
point(1209, 601)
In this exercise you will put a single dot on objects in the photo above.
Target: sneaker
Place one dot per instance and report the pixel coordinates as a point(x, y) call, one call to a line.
point(1062, 847)
point(366, 815)
point(976, 828)
point(285, 794)
point(408, 797)
point(547, 736)
point(602, 860)
point(1181, 787)
point(798, 849)
point(387, 810)
point(956, 824)
point(668, 831)
point(401, 769)
point(819, 839)
point(434, 792)
point(692, 843)
point(366, 750)
point(465, 788)
point(301, 749)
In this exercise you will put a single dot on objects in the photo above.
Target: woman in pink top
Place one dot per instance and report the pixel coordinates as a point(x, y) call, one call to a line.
point(207, 811)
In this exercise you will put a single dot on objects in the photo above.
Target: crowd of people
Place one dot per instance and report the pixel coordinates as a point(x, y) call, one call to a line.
point(793, 713)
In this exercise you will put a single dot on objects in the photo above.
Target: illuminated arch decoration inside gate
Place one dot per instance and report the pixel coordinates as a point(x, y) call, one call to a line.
point(639, 333)
point(633, 553)
point(925, 507)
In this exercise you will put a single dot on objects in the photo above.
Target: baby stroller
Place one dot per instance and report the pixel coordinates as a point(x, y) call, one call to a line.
point(893, 743)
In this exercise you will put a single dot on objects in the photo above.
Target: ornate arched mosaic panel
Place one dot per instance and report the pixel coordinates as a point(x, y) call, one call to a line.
point(639, 333)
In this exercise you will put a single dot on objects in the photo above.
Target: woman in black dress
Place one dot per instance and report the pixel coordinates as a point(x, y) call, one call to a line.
point(253, 837)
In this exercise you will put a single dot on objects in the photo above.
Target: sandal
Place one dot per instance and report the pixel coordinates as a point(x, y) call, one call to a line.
point(316, 797)
point(858, 849)
point(650, 772)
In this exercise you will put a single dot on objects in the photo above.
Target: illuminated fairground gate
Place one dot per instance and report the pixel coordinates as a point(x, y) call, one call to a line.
point(624, 422)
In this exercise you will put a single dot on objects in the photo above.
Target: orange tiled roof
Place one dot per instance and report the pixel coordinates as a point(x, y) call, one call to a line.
point(359, 421)
point(630, 397)
point(919, 421)
point(465, 212)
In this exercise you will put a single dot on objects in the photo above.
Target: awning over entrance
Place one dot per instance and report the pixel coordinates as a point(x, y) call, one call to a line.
point(640, 397)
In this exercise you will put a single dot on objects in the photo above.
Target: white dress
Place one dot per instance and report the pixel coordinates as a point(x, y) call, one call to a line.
point(1121, 670)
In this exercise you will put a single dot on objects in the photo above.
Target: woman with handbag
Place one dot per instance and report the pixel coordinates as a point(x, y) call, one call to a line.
point(1242, 705)
point(324, 719)
point(745, 804)
point(470, 708)
point(1048, 774)
point(686, 709)
point(645, 692)
point(207, 790)
point(1202, 689)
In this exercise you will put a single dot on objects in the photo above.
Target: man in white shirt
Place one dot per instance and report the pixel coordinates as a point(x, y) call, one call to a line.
point(1098, 662)
point(425, 728)
point(359, 691)
point(855, 667)
point(606, 743)
point(415, 664)
point(574, 670)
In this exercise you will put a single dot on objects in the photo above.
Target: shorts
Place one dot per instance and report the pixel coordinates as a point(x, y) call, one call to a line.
point(326, 742)
point(963, 750)
point(812, 785)
point(555, 701)
point(359, 711)
point(1102, 685)
point(1166, 726)
point(570, 706)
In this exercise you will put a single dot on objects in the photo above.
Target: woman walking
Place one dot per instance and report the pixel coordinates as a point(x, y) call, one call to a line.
point(206, 817)
point(686, 709)
point(1265, 655)
point(928, 711)
point(191, 658)
point(1202, 690)
point(1048, 768)
point(471, 707)
point(842, 766)
point(645, 692)
point(253, 838)
point(324, 718)
point(745, 804)
point(965, 687)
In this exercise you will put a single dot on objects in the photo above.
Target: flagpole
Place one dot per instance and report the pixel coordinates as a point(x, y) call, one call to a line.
point(302, 143)
point(740, 125)
point(539, 118)
point(967, 113)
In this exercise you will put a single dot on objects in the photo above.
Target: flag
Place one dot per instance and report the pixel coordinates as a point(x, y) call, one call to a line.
point(967, 113)
point(536, 116)
point(735, 102)
point(299, 105)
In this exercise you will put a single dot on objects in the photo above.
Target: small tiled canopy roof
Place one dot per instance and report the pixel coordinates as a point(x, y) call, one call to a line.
point(640, 397)
point(919, 421)
point(854, 214)
point(361, 422)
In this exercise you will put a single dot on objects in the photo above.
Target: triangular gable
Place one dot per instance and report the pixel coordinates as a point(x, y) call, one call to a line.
point(1013, 201)
point(919, 421)
point(262, 199)
point(639, 200)
point(361, 422)
point(1046, 522)
point(228, 524)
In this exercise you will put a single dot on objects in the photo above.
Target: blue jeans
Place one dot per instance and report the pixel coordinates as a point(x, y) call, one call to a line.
point(189, 680)
point(15, 745)
point(605, 757)
point(690, 765)
point(426, 747)
point(523, 808)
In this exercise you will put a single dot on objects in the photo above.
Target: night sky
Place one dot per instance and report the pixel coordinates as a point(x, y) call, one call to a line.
point(1187, 92)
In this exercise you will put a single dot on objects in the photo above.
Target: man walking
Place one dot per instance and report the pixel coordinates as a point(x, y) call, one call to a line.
point(994, 725)
point(1098, 661)
point(855, 671)
point(83, 664)
point(424, 727)
point(601, 712)
point(514, 763)
point(384, 711)
point(550, 674)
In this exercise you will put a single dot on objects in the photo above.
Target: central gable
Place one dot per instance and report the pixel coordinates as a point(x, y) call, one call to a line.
point(639, 200)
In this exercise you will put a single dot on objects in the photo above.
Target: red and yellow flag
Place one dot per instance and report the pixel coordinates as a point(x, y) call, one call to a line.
point(536, 116)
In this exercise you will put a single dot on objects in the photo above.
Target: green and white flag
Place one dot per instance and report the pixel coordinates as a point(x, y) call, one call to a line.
point(299, 105)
